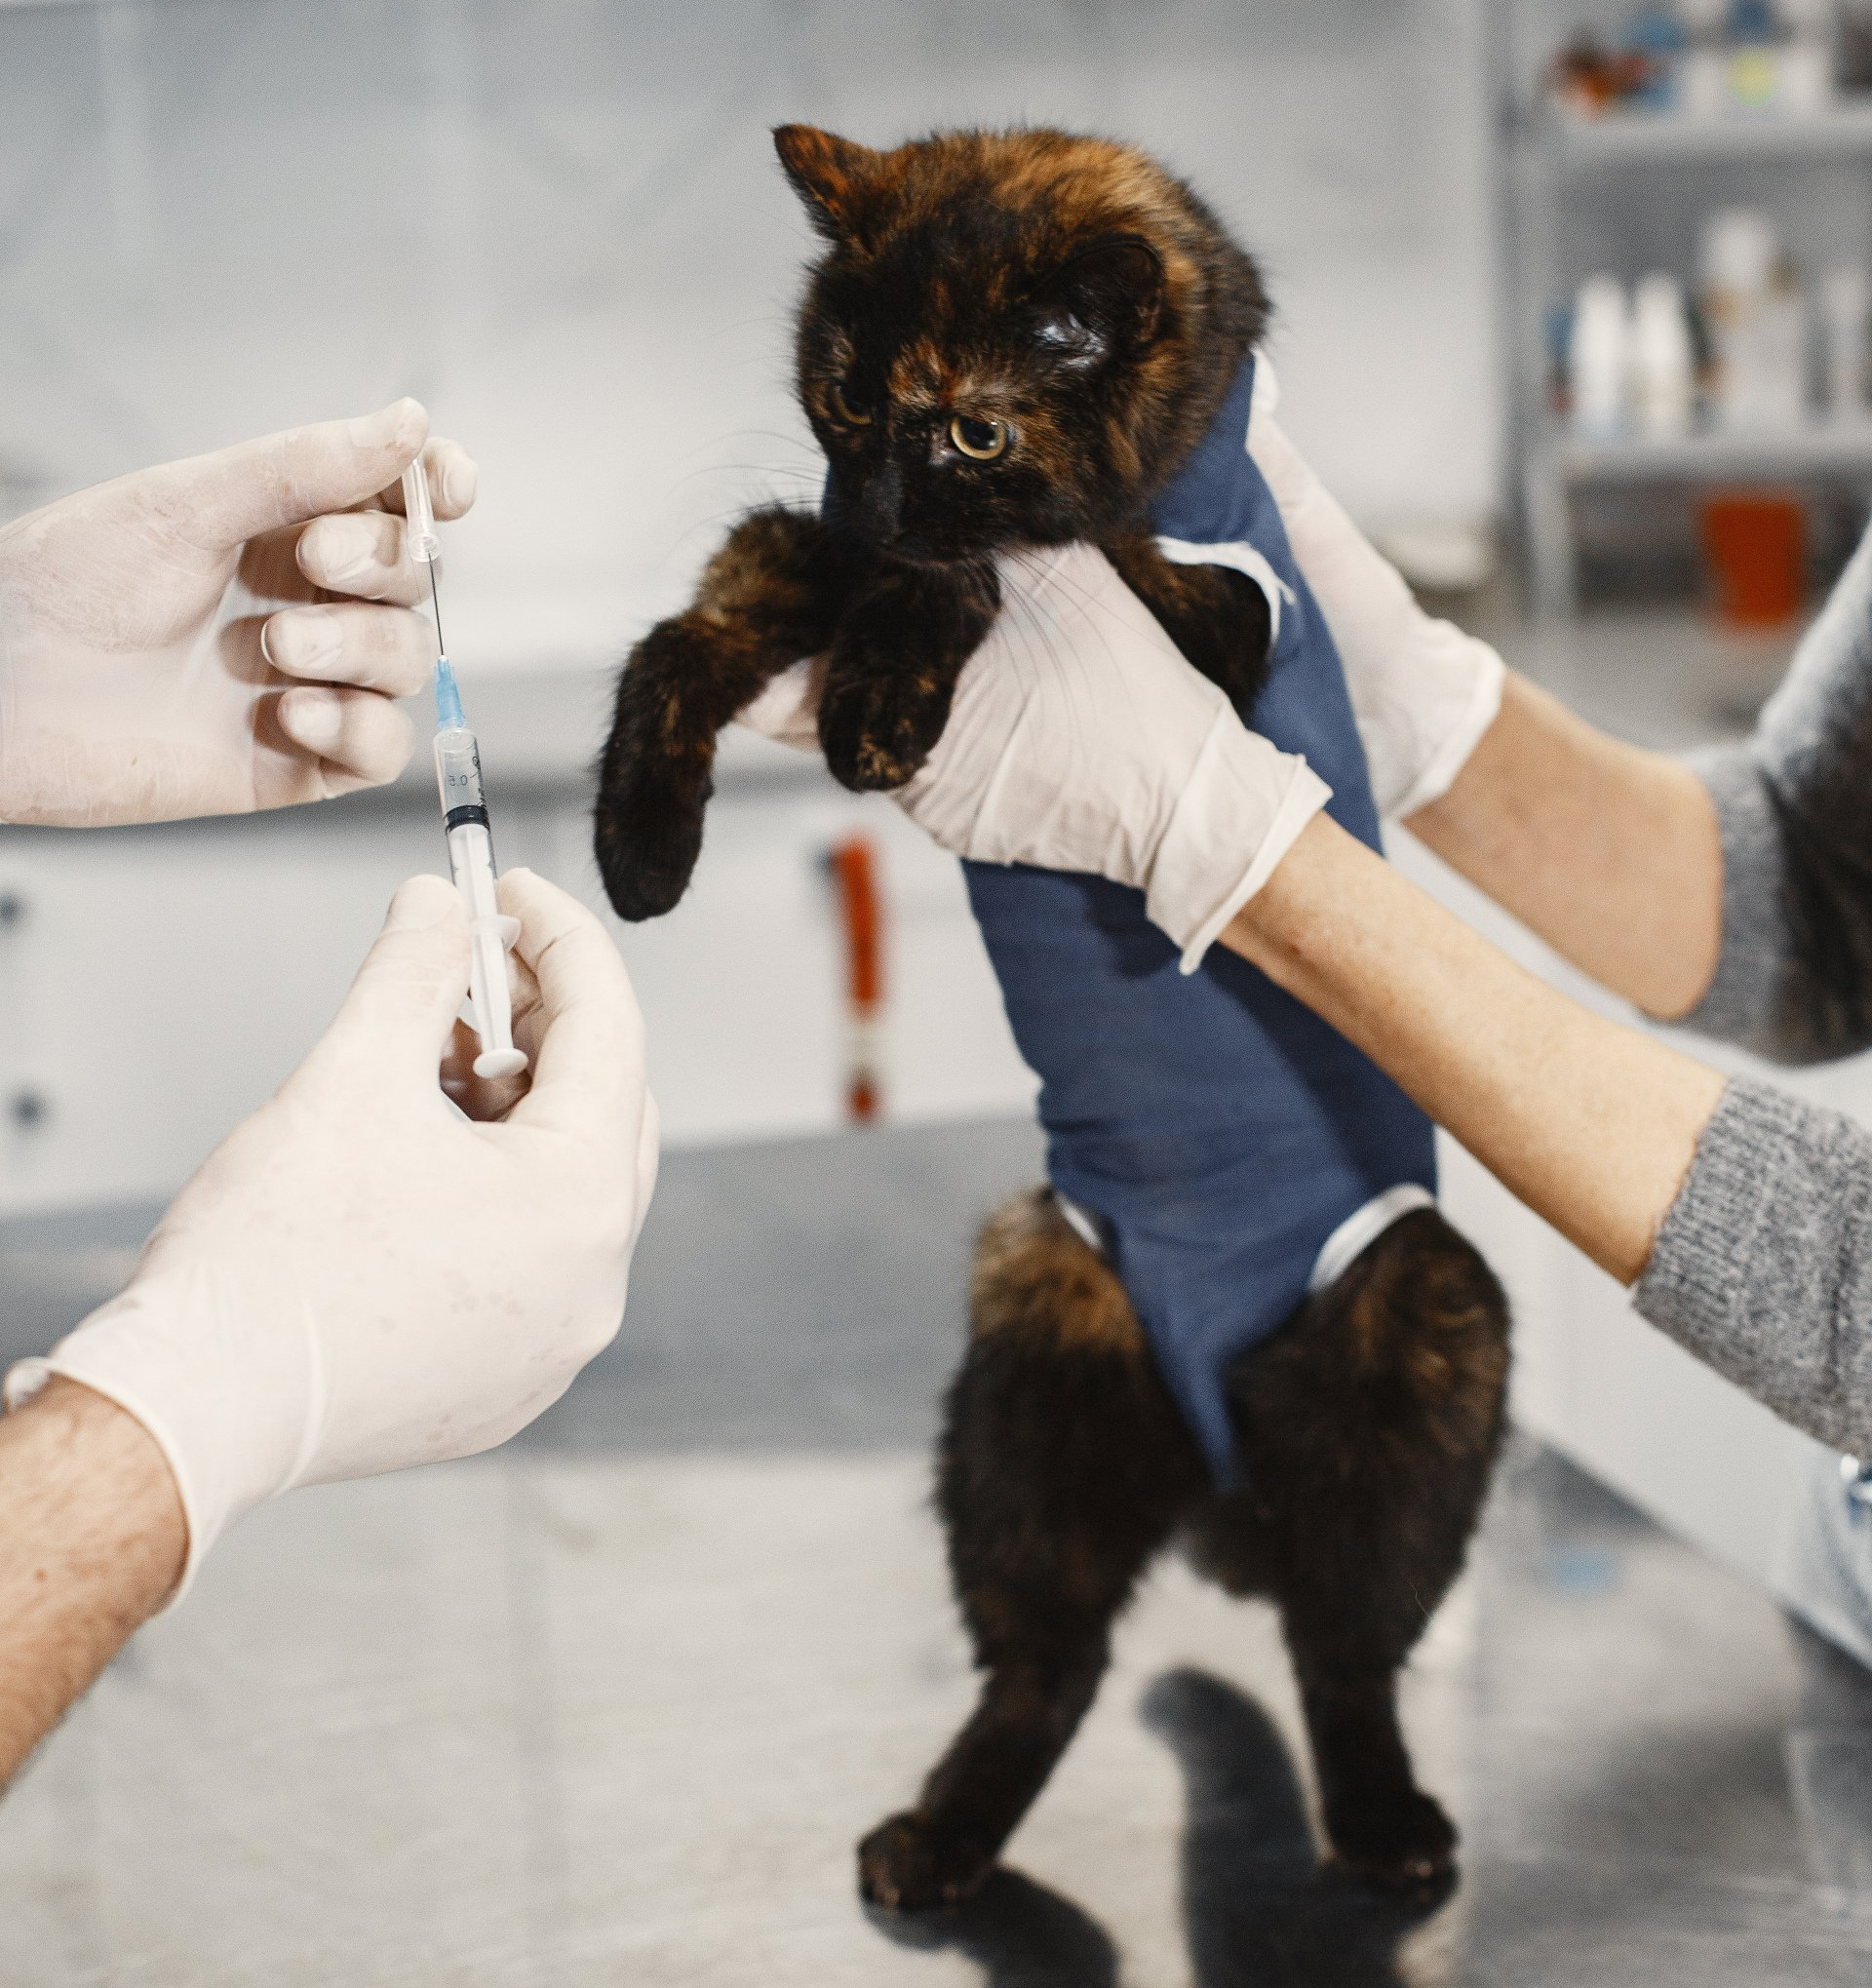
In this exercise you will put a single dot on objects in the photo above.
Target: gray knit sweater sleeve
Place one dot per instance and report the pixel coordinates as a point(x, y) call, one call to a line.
point(1763, 1266)
point(1794, 803)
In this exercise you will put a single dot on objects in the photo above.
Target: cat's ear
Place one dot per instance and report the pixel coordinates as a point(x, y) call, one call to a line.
point(1107, 293)
point(833, 175)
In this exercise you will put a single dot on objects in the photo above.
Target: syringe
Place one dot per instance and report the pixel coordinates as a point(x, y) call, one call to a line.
point(464, 819)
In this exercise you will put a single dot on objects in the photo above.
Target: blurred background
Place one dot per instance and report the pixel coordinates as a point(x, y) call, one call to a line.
point(562, 227)
point(1572, 309)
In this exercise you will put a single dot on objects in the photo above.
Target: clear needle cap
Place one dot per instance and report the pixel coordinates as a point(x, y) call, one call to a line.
point(419, 515)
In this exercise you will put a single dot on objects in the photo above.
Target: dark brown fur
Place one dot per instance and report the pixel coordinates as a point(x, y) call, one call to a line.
point(1072, 292)
point(1066, 287)
point(1369, 1425)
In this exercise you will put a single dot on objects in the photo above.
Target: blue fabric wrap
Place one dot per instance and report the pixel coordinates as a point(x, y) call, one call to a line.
point(1220, 1129)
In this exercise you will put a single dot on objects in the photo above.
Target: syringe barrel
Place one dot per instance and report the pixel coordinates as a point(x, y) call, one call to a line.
point(471, 864)
point(419, 516)
point(458, 777)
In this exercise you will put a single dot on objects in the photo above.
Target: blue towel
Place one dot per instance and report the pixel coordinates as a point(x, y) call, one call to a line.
point(1218, 1130)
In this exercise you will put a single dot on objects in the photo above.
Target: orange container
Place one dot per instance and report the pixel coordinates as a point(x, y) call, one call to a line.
point(854, 875)
point(1756, 546)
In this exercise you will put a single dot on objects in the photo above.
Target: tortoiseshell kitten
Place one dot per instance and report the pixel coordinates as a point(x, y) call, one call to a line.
point(979, 287)
point(1016, 340)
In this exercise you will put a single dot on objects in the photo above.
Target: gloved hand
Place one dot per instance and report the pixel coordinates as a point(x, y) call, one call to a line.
point(359, 1278)
point(142, 676)
point(1423, 692)
point(1081, 739)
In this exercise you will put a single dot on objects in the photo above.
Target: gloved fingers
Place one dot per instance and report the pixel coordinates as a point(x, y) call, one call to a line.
point(455, 475)
point(649, 1154)
point(359, 737)
point(588, 1066)
point(456, 1072)
point(529, 1006)
point(399, 1014)
point(1288, 473)
point(269, 567)
point(221, 501)
point(788, 708)
point(373, 647)
point(269, 563)
point(486, 1100)
point(362, 554)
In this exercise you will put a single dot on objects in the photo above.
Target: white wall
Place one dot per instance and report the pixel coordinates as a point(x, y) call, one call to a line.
point(561, 223)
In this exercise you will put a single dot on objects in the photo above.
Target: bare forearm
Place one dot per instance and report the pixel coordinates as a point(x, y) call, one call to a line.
point(1610, 853)
point(1594, 1126)
point(91, 1544)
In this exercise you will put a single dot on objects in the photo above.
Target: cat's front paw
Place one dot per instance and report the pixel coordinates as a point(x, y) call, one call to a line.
point(908, 1865)
point(646, 835)
point(874, 733)
point(1401, 1841)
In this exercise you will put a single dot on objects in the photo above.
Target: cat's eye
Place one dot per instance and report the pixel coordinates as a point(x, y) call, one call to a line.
point(983, 439)
point(850, 407)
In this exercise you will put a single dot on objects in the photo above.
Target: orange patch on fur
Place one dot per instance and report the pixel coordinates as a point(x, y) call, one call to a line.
point(1033, 1271)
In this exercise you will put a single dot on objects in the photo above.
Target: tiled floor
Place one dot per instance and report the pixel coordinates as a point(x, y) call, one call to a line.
point(615, 1705)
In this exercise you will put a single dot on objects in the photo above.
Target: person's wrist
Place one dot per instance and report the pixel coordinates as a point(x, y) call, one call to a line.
point(226, 1415)
point(1239, 813)
point(1452, 687)
point(1273, 930)
point(93, 1542)
point(97, 1481)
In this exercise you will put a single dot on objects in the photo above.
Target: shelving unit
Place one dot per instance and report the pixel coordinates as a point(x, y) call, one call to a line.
point(1641, 136)
point(1819, 450)
point(1553, 158)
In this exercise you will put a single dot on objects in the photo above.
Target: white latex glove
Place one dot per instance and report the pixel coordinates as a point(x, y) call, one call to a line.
point(141, 675)
point(1081, 739)
point(359, 1278)
point(1423, 692)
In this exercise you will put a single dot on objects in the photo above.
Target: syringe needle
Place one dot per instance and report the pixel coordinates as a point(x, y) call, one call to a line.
point(419, 534)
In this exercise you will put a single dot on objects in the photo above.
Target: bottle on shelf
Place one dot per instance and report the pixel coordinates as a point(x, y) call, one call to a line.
point(1664, 366)
point(1599, 360)
point(1709, 59)
point(1658, 43)
point(1781, 54)
point(1845, 301)
point(1809, 61)
point(1756, 317)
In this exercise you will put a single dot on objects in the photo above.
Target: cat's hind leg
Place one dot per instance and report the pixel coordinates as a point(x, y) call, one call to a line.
point(1063, 1467)
point(770, 595)
point(1369, 1426)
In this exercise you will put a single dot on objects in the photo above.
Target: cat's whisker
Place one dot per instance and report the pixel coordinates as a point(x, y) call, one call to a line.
point(803, 443)
point(751, 493)
point(1094, 604)
point(1042, 629)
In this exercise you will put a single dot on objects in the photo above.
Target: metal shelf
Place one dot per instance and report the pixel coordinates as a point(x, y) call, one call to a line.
point(1557, 167)
point(1819, 450)
point(1658, 138)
